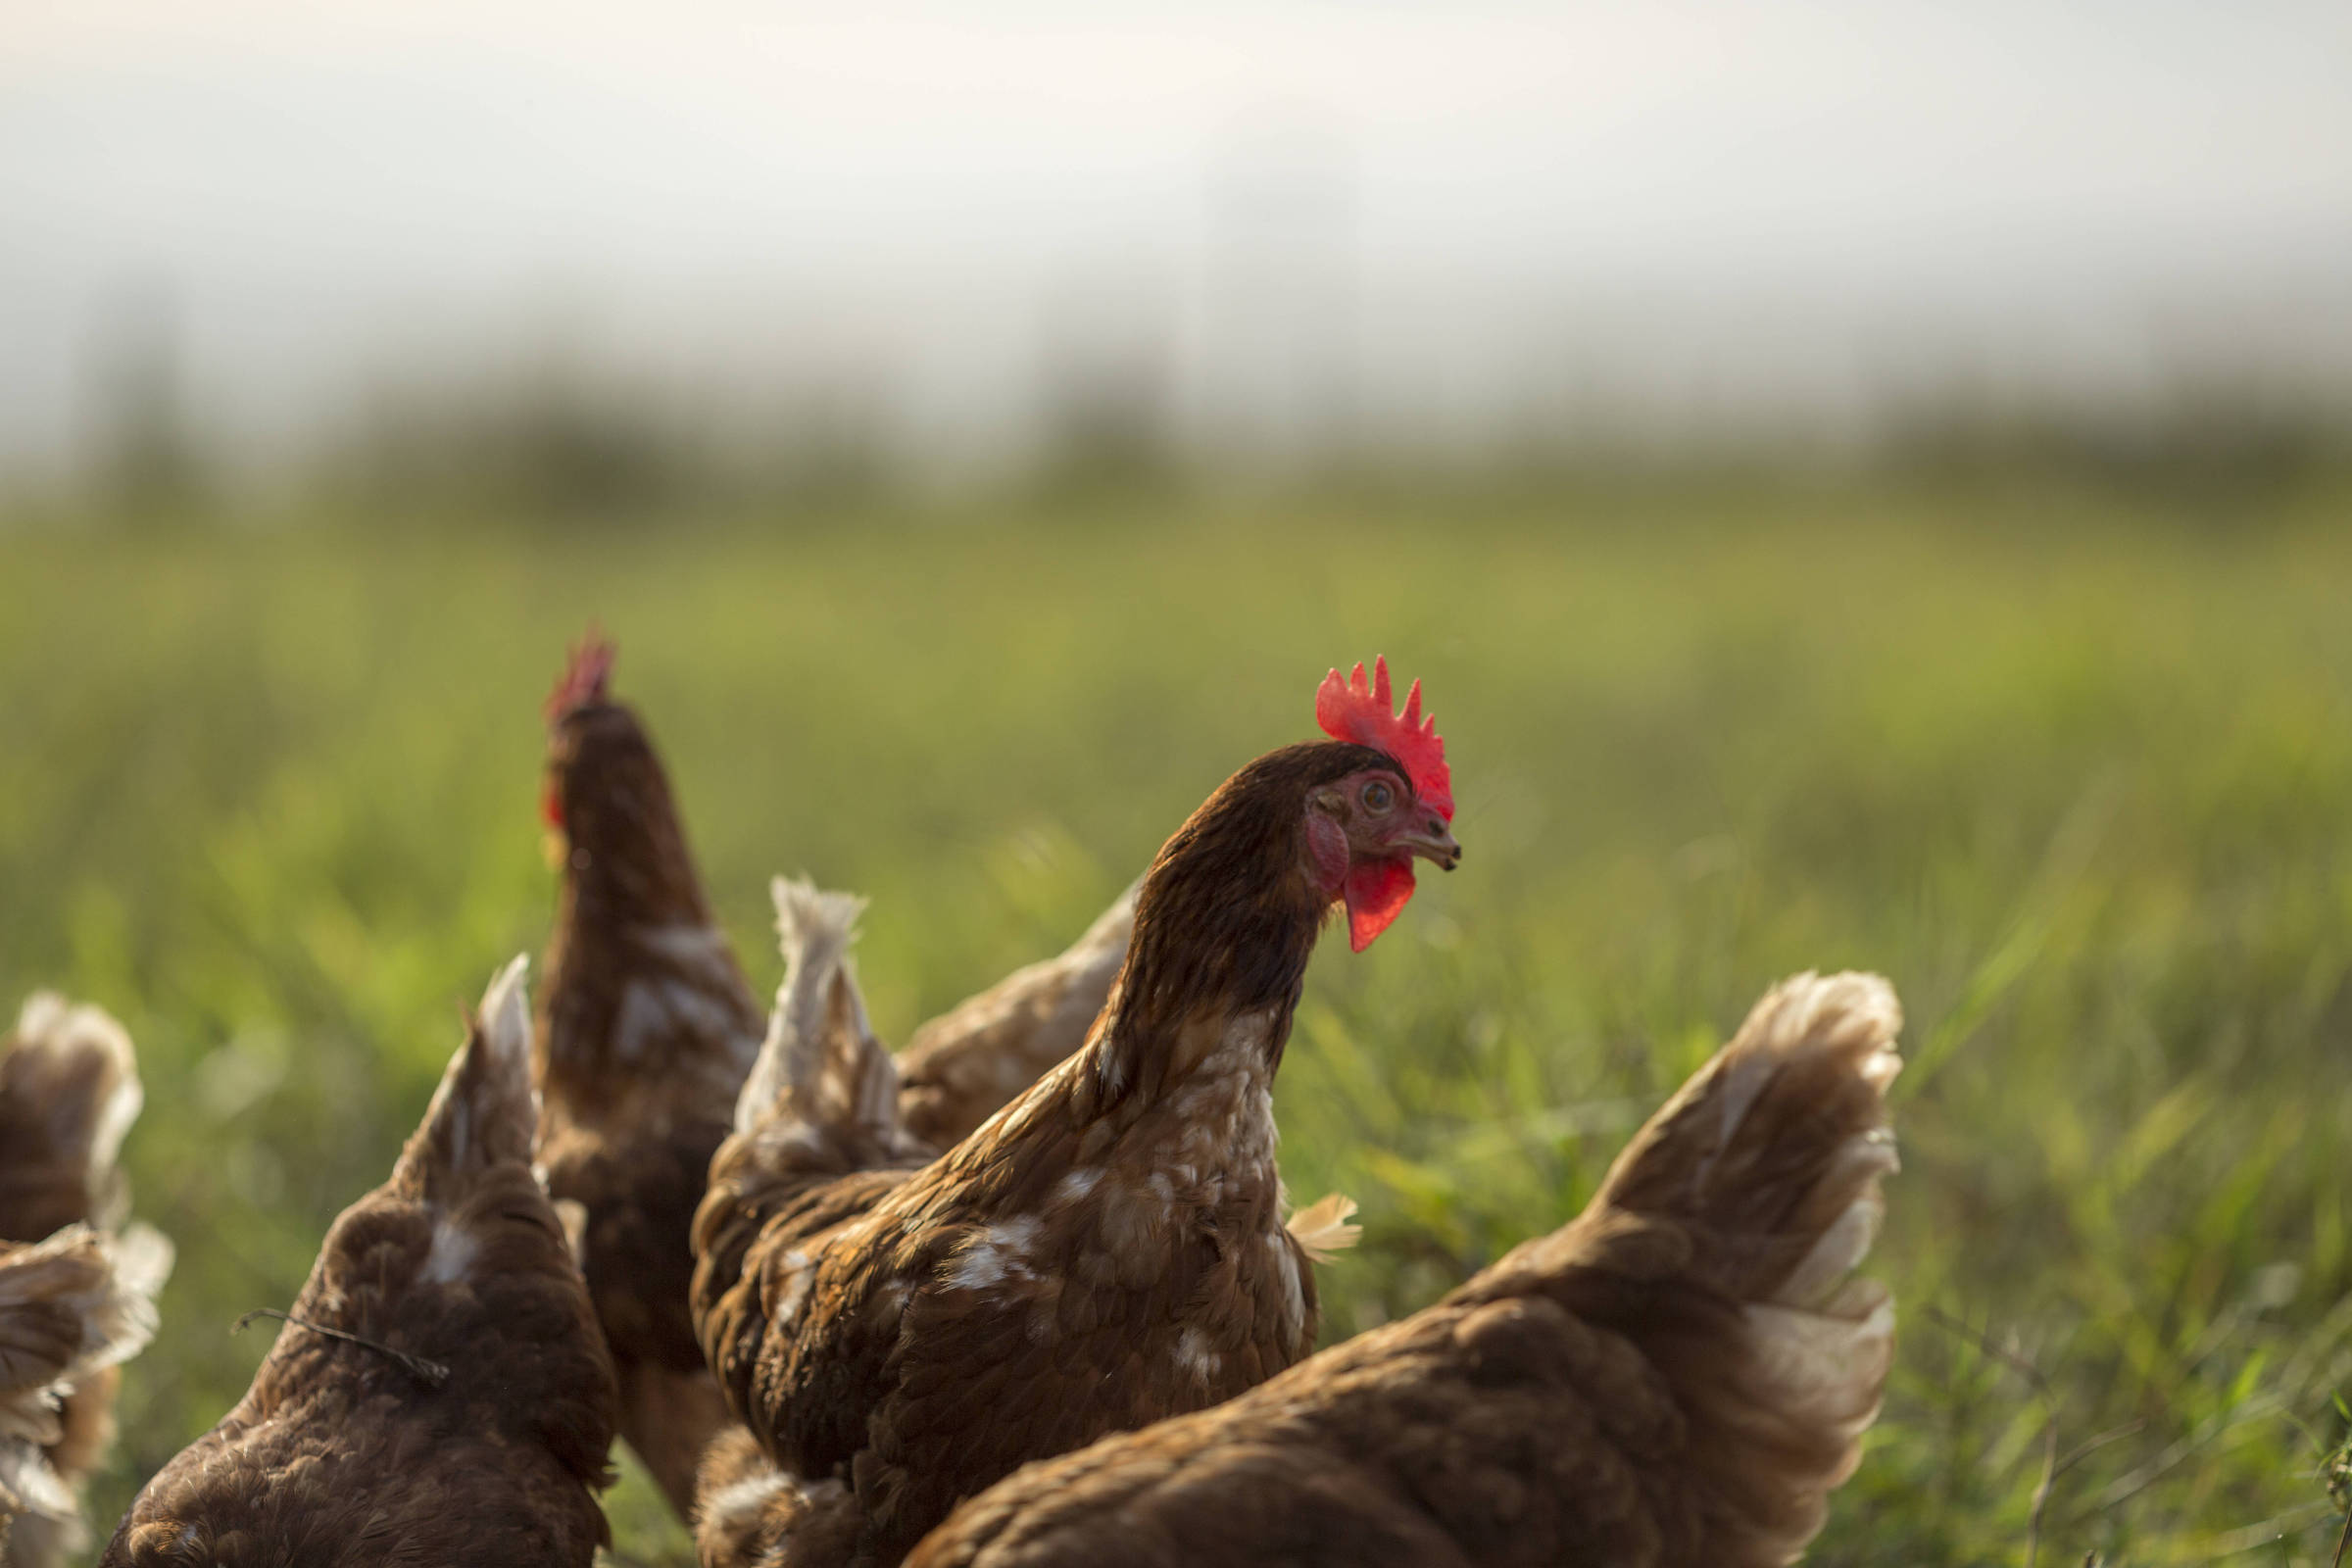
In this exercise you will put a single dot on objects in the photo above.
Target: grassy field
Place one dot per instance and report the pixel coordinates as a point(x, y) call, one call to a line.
point(2078, 778)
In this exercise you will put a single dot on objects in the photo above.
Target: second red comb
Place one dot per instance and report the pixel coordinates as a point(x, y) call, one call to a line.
point(584, 675)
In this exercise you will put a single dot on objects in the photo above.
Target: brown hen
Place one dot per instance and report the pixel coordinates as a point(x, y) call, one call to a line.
point(647, 1030)
point(446, 1398)
point(69, 1093)
point(1676, 1380)
point(1107, 1249)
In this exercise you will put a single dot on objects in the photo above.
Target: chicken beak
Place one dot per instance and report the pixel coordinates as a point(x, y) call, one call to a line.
point(1432, 840)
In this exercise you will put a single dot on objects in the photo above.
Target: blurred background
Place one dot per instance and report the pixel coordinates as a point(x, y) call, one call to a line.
point(1866, 485)
point(617, 253)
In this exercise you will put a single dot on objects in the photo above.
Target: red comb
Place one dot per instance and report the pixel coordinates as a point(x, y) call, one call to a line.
point(1354, 711)
point(584, 675)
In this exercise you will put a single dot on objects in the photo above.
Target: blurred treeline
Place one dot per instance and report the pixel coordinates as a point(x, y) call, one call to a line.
point(559, 441)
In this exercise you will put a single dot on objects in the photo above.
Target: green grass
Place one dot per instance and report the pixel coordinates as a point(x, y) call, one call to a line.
point(2080, 780)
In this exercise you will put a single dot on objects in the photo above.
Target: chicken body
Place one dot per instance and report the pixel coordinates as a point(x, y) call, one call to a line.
point(646, 1031)
point(648, 1028)
point(1107, 1249)
point(472, 1428)
point(1677, 1379)
point(69, 1093)
point(72, 1307)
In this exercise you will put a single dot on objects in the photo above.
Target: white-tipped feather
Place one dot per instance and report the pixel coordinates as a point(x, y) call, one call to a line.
point(736, 1505)
point(1837, 1253)
point(107, 1285)
point(29, 1486)
point(1820, 1350)
point(818, 999)
point(502, 1032)
point(814, 925)
point(506, 1013)
point(1825, 1369)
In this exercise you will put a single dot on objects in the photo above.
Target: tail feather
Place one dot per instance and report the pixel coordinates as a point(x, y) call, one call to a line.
point(83, 1299)
point(1769, 1163)
point(69, 1093)
point(1679, 1377)
point(1774, 1152)
point(90, 1295)
point(821, 1063)
point(71, 1306)
point(485, 1113)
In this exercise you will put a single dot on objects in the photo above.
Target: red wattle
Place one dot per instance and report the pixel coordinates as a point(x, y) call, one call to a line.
point(551, 806)
point(1377, 892)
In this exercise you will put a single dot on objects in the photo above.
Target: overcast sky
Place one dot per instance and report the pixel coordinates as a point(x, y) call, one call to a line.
point(315, 192)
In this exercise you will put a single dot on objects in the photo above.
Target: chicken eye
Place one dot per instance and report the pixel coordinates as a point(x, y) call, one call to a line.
point(1378, 797)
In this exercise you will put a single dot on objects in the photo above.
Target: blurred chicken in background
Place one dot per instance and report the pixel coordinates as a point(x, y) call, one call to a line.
point(68, 1094)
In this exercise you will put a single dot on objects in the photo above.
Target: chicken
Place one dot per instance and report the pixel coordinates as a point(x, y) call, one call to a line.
point(69, 1093)
point(647, 1030)
point(72, 1307)
point(440, 1394)
point(1678, 1377)
point(1107, 1249)
point(824, 1103)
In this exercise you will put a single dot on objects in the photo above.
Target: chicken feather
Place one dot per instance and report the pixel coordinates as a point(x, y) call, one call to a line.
point(444, 1397)
point(68, 1094)
point(1678, 1379)
point(1106, 1250)
point(72, 1307)
point(648, 1029)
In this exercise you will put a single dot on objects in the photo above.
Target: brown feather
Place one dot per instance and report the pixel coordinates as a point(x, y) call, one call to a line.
point(1106, 1250)
point(69, 1093)
point(72, 1307)
point(1676, 1380)
point(646, 1031)
point(339, 1454)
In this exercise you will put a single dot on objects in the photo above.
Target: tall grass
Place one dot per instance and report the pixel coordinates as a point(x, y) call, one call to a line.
point(2078, 780)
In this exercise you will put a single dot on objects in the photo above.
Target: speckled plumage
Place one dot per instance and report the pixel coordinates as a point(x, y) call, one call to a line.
point(1107, 1249)
point(1676, 1380)
point(646, 1029)
point(339, 1454)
